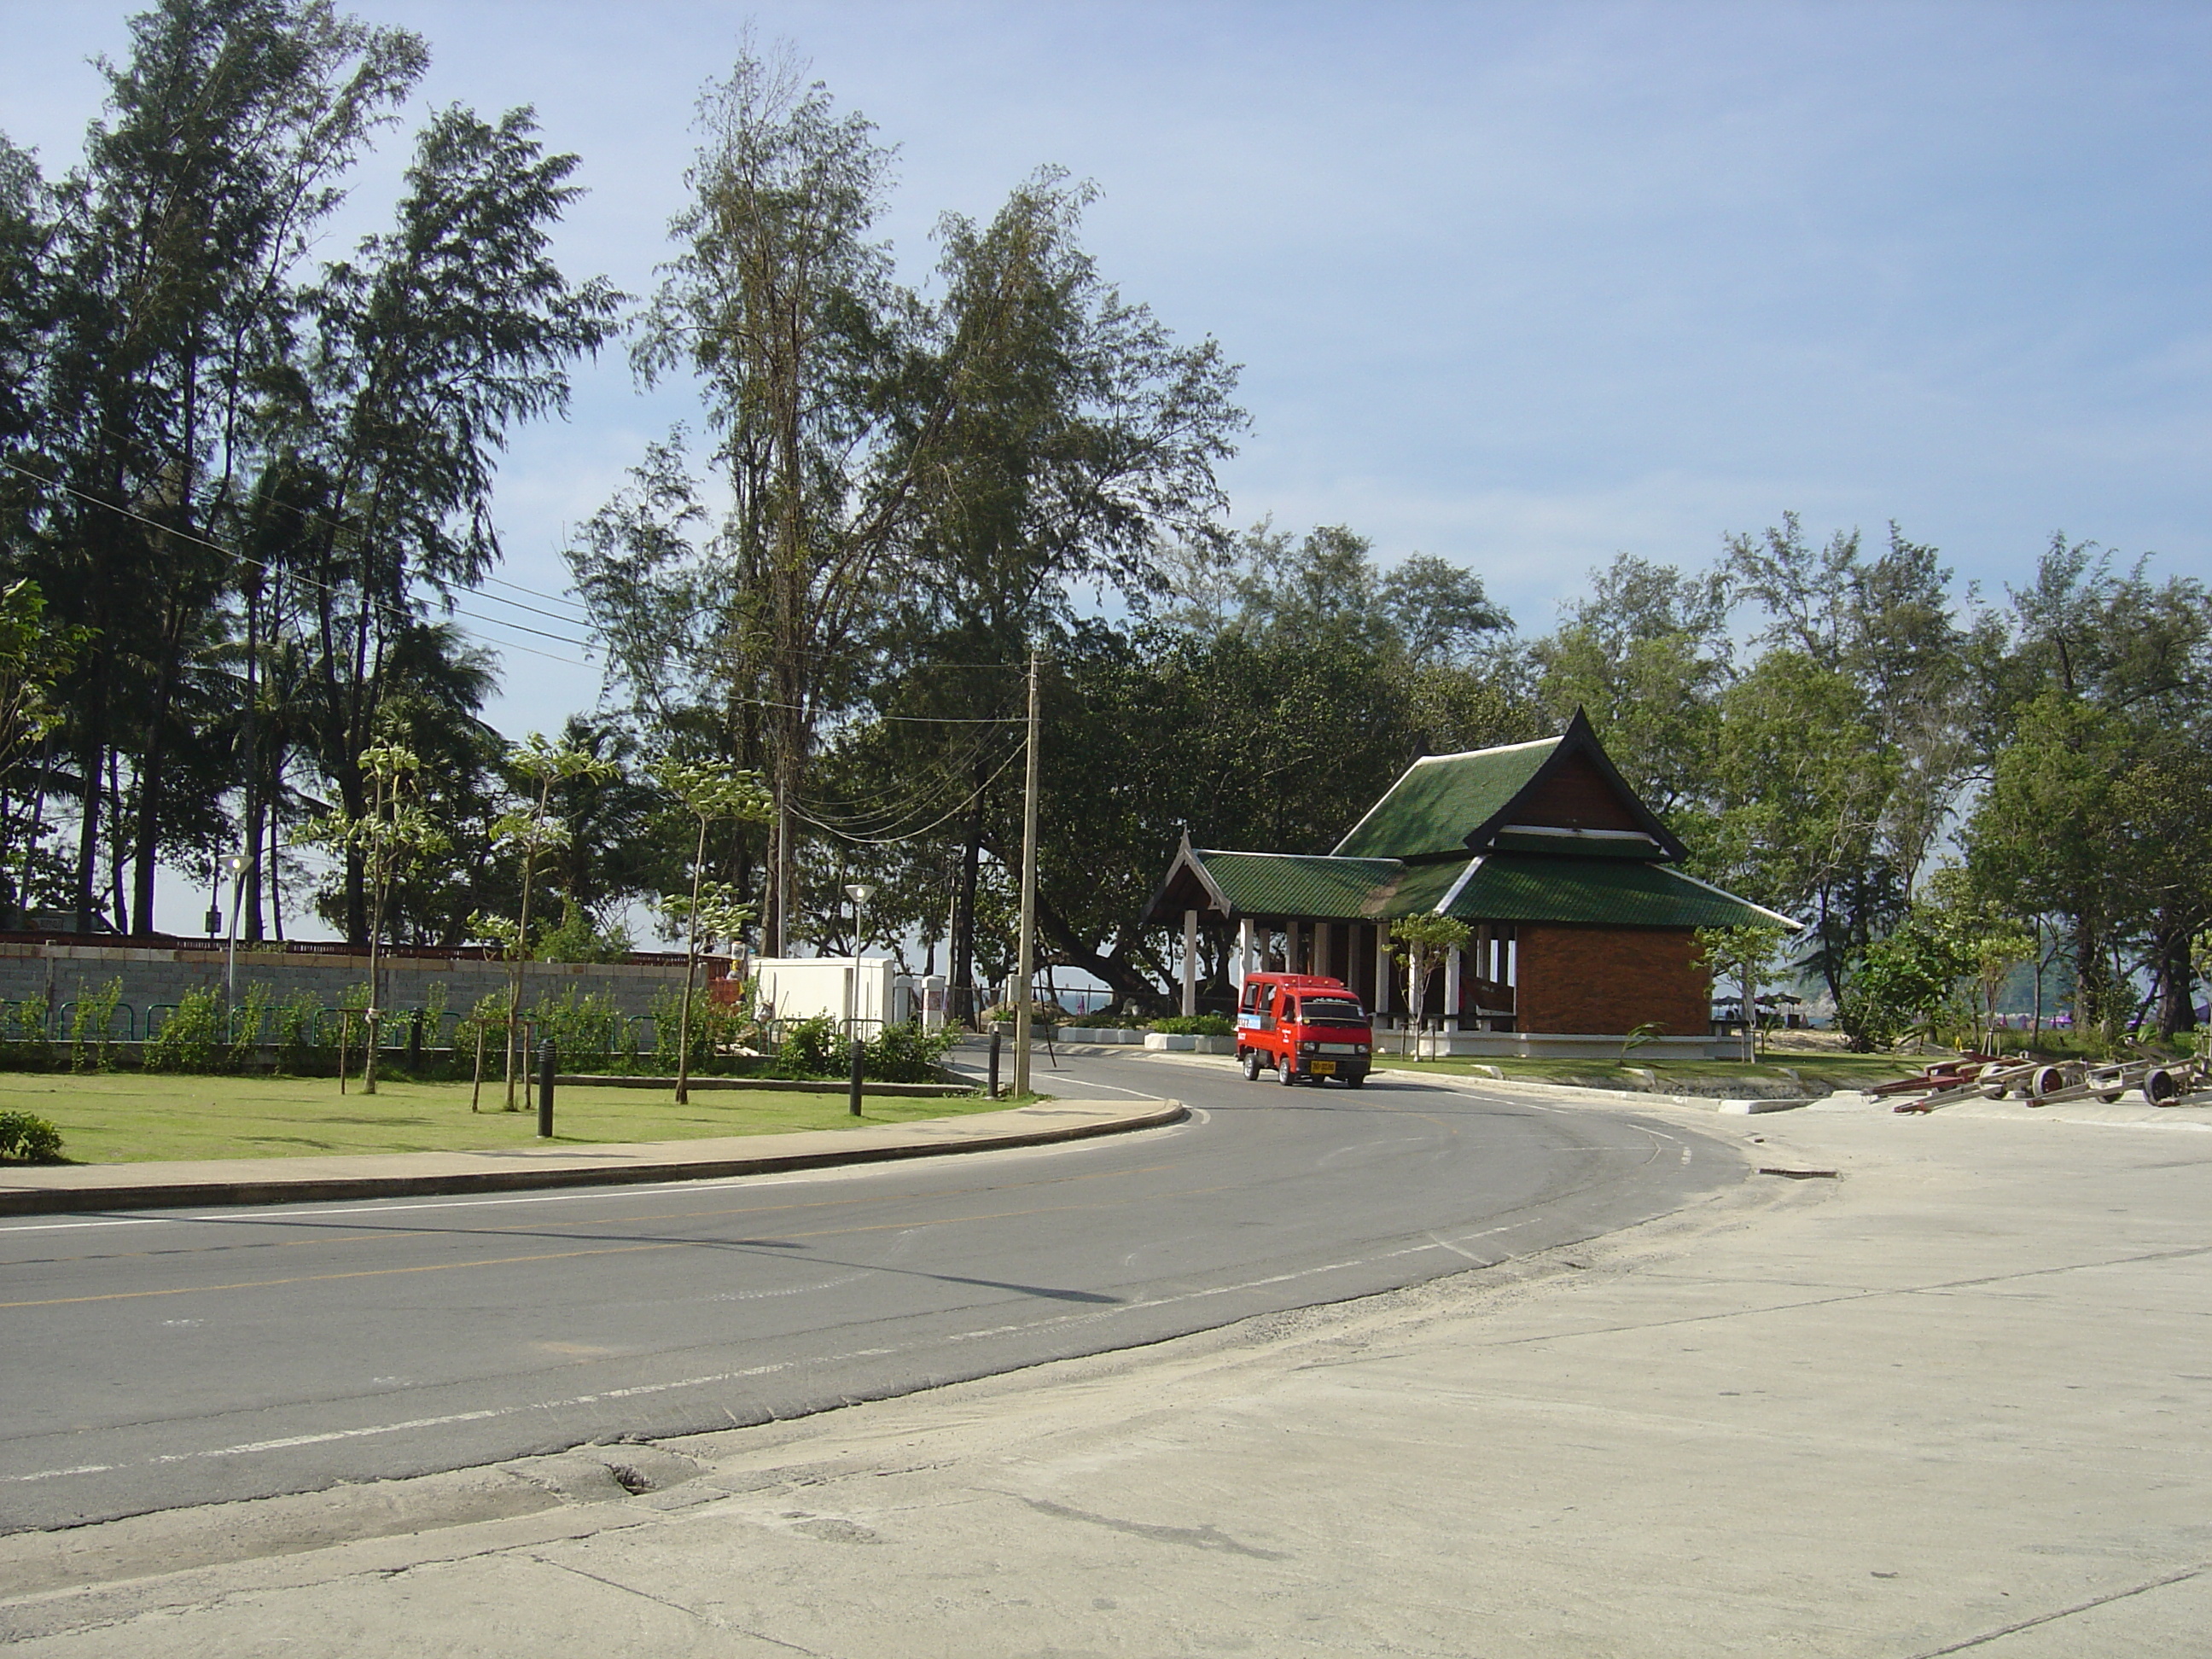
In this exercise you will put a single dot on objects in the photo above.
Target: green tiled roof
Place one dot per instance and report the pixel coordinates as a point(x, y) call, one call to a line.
point(1502, 887)
point(1298, 884)
point(1530, 887)
point(1421, 888)
point(1442, 799)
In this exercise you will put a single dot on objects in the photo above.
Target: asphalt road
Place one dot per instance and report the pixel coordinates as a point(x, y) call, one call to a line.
point(158, 1359)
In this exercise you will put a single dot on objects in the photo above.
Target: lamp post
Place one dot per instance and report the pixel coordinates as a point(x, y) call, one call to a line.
point(859, 892)
point(238, 864)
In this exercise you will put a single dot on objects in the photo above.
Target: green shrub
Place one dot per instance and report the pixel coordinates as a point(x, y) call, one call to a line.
point(1041, 1013)
point(92, 1040)
point(24, 1042)
point(298, 1052)
point(715, 1026)
point(1196, 1025)
point(809, 1047)
point(587, 1030)
point(905, 1053)
point(30, 1139)
point(248, 1019)
point(189, 1036)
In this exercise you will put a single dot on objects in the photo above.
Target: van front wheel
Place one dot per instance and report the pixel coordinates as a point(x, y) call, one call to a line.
point(1284, 1074)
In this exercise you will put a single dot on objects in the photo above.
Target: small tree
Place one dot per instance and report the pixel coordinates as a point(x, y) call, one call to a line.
point(1746, 953)
point(1422, 943)
point(394, 838)
point(711, 796)
point(712, 911)
point(534, 831)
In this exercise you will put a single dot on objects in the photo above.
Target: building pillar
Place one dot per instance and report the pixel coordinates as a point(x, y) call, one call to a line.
point(1383, 977)
point(1244, 953)
point(1451, 989)
point(1189, 962)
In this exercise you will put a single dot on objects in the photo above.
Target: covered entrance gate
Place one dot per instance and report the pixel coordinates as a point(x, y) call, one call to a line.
point(1582, 930)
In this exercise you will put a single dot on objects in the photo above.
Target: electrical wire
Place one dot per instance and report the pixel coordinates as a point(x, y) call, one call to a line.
point(295, 576)
point(882, 810)
point(974, 795)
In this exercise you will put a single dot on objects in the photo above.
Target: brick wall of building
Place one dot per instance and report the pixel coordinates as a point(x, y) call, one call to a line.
point(1611, 980)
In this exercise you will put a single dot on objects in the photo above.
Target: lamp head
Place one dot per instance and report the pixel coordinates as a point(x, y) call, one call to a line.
point(860, 892)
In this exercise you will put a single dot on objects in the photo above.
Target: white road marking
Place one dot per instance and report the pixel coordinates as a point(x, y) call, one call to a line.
point(293, 1442)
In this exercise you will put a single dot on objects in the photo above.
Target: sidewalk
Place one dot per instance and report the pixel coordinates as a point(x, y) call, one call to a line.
point(1954, 1399)
point(33, 1189)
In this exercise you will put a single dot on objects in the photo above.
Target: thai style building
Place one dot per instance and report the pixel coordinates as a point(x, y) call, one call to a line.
point(1583, 931)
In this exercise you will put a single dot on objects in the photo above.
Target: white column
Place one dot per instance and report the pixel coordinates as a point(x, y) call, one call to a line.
point(1190, 962)
point(1451, 989)
point(1244, 953)
point(1384, 983)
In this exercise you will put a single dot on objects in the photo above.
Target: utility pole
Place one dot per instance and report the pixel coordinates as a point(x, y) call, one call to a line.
point(1027, 969)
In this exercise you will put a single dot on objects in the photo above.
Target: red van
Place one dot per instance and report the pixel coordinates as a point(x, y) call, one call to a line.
point(1306, 1027)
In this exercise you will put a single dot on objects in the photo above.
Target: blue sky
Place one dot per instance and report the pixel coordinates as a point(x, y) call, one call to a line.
point(1522, 286)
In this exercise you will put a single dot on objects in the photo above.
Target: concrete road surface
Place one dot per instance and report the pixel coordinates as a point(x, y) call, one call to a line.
point(160, 1359)
point(1952, 1399)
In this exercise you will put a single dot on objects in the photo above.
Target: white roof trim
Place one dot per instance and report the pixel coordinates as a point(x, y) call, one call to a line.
point(1445, 904)
point(1791, 922)
point(1495, 748)
point(1562, 830)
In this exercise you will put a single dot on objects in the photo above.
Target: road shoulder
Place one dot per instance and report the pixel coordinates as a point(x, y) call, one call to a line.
point(44, 1190)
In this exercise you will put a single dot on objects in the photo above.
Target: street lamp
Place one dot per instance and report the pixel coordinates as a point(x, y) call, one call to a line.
point(238, 864)
point(860, 892)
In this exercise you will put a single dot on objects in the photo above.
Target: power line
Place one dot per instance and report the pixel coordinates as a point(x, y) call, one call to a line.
point(293, 575)
point(973, 796)
point(888, 804)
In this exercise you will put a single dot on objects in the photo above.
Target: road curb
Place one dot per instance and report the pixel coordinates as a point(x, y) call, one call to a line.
point(927, 1138)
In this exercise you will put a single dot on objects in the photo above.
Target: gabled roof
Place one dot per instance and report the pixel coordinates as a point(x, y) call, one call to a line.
point(1285, 884)
point(1440, 798)
point(1479, 801)
point(1621, 892)
point(1491, 887)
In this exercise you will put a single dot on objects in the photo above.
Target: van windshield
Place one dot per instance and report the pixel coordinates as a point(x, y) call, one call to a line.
point(1330, 1011)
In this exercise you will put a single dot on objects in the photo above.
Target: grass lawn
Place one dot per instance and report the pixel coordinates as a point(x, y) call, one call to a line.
point(123, 1117)
point(1819, 1070)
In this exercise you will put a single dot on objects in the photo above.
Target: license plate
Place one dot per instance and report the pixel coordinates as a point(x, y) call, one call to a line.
point(1321, 1068)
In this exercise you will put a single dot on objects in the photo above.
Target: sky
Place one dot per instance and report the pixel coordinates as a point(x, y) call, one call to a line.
point(1522, 286)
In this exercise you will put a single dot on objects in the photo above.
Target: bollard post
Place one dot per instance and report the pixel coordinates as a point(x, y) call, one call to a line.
point(996, 1035)
point(415, 1045)
point(859, 1059)
point(545, 1091)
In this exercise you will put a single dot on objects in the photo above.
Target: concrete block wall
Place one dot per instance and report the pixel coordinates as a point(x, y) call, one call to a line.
point(58, 974)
